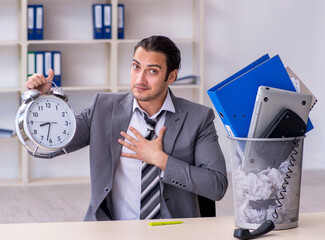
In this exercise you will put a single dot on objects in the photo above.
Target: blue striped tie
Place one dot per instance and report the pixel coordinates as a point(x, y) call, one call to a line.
point(150, 189)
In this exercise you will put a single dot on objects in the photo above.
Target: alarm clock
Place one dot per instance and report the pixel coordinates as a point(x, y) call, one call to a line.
point(45, 123)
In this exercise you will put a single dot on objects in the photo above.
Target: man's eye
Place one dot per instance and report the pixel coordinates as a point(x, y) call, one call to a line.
point(135, 66)
point(153, 71)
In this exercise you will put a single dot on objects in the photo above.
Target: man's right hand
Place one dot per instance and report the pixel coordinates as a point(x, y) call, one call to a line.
point(40, 82)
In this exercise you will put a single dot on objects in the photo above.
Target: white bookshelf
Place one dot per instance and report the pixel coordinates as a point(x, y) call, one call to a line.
point(88, 66)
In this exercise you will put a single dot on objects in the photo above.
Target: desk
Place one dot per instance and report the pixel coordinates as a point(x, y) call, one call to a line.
point(311, 226)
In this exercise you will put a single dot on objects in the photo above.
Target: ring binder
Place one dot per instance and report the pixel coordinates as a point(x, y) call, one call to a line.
point(121, 21)
point(107, 21)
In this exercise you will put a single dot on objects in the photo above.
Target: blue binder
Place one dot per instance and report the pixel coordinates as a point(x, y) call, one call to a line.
point(98, 21)
point(39, 59)
point(56, 62)
point(107, 21)
point(39, 22)
point(234, 97)
point(30, 22)
point(47, 63)
point(121, 21)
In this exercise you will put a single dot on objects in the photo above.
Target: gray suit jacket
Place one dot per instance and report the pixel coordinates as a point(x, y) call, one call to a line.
point(195, 165)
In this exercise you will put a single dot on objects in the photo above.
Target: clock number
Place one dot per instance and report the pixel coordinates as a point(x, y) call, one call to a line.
point(50, 141)
point(63, 114)
point(66, 123)
point(64, 132)
point(59, 138)
point(56, 107)
point(42, 137)
point(35, 132)
point(48, 105)
point(35, 114)
point(40, 108)
point(32, 122)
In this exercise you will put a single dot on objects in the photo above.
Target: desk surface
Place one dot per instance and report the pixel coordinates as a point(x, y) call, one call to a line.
point(311, 226)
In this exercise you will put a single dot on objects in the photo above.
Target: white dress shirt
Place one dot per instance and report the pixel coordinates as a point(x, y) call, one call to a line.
point(126, 190)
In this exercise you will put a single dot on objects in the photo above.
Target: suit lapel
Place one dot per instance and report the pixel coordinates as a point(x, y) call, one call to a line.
point(121, 117)
point(174, 123)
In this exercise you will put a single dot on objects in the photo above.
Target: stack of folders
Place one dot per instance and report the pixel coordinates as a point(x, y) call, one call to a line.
point(6, 133)
point(40, 62)
point(234, 98)
point(264, 100)
point(188, 79)
point(102, 21)
point(35, 18)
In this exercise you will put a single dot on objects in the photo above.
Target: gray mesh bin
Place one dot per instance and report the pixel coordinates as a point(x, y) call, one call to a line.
point(266, 175)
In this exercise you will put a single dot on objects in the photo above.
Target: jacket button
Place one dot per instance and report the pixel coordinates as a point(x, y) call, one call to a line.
point(106, 190)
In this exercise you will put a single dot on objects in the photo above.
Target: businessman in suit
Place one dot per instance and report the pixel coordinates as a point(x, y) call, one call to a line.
point(184, 148)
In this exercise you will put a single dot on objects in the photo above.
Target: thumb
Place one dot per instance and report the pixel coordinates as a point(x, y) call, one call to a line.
point(162, 133)
point(50, 76)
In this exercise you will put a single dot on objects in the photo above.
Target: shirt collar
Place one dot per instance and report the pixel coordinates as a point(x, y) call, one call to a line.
point(167, 105)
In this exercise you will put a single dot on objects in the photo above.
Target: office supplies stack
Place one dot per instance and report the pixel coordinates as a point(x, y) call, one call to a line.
point(42, 61)
point(188, 79)
point(102, 21)
point(265, 108)
point(6, 133)
point(35, 22)
point(234, 97)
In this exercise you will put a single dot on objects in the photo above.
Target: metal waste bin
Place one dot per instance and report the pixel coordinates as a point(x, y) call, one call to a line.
point(266, 176)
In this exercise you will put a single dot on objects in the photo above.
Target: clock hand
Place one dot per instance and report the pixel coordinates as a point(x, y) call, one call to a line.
point(48, 132)
point(43, 124)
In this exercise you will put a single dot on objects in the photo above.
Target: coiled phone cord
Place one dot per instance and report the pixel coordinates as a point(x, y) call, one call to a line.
point(292, 159)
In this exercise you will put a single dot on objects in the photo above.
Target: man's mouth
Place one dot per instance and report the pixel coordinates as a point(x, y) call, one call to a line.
point(141, 88)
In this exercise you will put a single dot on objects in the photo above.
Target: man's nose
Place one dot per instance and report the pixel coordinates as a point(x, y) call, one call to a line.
point(141, 78)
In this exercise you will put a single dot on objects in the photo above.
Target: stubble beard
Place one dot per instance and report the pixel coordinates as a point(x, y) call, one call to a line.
point(146, 98)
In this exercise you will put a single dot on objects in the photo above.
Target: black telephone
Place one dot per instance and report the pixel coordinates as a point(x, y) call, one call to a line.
point(287, 124)
point(266, 227)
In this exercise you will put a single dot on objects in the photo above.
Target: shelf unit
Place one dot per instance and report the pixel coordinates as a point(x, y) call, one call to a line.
point(88, 66)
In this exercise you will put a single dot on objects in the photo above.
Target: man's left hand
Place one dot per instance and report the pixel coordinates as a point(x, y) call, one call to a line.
point(150, 152)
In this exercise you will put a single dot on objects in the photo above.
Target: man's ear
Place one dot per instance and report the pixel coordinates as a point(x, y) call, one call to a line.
point(172, 76)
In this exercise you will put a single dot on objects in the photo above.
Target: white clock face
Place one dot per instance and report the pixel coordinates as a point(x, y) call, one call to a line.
point(50, 122)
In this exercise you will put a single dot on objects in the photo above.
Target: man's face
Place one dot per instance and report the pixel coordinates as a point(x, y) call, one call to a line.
point(148, 75)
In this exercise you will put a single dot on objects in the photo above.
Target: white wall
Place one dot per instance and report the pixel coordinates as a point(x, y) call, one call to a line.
point(237, 32)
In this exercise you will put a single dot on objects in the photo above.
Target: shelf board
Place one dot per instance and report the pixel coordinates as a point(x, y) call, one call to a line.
point(10, 90)
point(123, 87)
point(10, 182)
point(86, 88)
point(59, 181)
point(176, 40)
point(185, 86)
point(73, 41)
point(94, 41)
point(9, 43)
point(178, 86)
point(6, 139)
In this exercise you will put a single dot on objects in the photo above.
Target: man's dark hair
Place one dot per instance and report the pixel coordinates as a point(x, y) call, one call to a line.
point(163, 45)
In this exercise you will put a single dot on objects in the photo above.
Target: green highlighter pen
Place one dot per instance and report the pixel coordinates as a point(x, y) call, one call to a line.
point(164, 223)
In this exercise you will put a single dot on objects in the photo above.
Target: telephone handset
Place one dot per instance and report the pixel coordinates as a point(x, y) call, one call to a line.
point(266, 227)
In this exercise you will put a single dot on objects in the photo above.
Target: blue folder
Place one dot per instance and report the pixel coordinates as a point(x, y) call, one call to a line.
point(121, 21)
point(39, 62)
point(30, 22)
point(56, 65)
point(39, 22)
point(98, 21)
point(234, 97)
point(107, 21)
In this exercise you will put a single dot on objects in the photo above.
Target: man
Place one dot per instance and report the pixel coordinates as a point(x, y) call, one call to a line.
point(181, 150)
